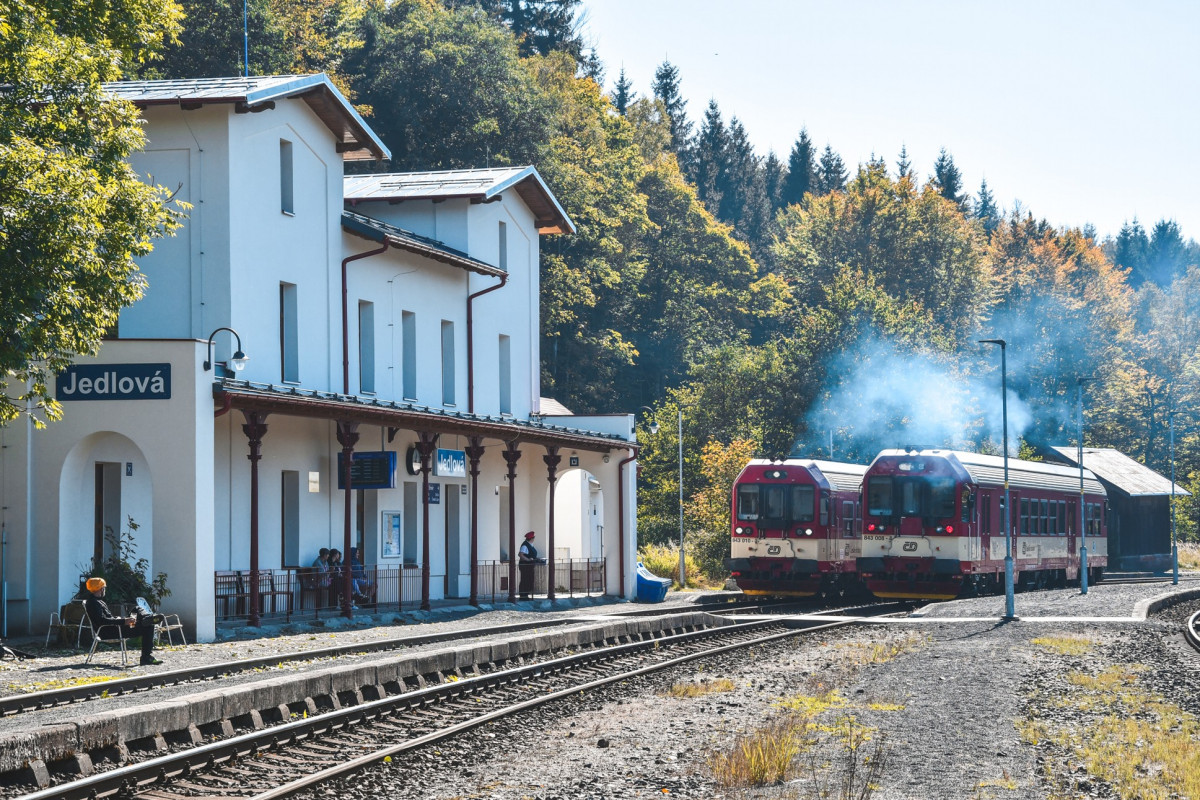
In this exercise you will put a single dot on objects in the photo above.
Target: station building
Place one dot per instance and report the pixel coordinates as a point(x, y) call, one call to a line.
point(320, 360)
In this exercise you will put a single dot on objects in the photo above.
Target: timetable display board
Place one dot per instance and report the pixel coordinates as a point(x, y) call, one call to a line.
point(369, 470)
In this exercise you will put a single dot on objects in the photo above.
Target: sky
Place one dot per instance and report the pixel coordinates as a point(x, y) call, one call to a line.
point(1083, 112)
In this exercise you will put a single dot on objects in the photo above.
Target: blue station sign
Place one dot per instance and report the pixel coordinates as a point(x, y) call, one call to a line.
point(114, 382)
point(450, 464)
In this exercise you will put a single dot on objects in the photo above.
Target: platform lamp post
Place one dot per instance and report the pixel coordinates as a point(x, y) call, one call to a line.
point(239, 358)
point(1174, 542)
point(1009, 611)
point(1083, 565)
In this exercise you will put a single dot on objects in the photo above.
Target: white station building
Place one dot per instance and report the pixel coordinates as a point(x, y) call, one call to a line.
point(390, 328)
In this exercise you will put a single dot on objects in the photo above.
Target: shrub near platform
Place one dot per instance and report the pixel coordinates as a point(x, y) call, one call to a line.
point(663, 560)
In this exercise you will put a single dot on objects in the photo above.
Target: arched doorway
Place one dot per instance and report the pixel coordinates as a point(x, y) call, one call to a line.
point(578, 516)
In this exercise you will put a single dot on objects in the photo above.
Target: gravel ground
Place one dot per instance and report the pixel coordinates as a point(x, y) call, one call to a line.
point(943, 692)
point(945, 708)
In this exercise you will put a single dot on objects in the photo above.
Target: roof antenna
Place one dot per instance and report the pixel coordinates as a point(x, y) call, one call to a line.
point(245, 40)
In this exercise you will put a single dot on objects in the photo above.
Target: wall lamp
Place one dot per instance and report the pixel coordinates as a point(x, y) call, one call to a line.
point(653, 423)
point(239, 358)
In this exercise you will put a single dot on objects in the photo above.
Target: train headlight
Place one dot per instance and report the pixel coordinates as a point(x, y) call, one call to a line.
point(739, 530)
point(808, 531)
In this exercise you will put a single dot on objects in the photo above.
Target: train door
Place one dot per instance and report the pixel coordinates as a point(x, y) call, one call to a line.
point(970, 518)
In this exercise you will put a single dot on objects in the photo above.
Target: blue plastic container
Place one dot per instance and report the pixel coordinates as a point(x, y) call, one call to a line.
point(651, 588)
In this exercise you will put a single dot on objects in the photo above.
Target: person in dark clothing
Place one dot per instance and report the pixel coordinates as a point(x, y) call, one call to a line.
point(110, 627)
point(363, 590)
point(527, 557)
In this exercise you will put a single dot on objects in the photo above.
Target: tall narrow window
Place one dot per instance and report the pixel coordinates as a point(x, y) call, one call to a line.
point(289, 516)
point(503, 247)
point(366, 347)
point(289, 331)
point(285, 177)
point(447, 363)
point(408, 333)
point(505, 366)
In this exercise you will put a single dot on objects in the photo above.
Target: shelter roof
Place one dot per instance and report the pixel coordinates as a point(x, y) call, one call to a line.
point(355, 139)
point(1118, 469)
point(379, 231)
point(476, 185)
point(297, 402)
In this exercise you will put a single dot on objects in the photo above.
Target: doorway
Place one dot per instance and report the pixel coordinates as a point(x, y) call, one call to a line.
point(453, 541)
point(107, 516)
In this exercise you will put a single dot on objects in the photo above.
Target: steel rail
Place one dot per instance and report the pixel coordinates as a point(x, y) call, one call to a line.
point(1189, 630)
point(362, 762)
point(144, 775)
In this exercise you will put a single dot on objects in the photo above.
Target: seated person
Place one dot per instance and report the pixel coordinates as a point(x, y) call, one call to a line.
point(363, 589)
point(110, 627)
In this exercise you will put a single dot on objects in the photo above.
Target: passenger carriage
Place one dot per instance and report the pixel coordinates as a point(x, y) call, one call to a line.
point(933, 524)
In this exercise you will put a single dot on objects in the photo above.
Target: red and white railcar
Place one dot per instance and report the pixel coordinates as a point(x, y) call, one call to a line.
point(933, 524)
point(795, 527)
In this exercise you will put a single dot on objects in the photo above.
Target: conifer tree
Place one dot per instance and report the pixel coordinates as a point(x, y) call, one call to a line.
point(773, 180)
point(623, 93)
point(1131, 251)
point(1167, 254)
point(831, 172)
point(802, 169)
point(947, 179)
point(986, 210)
point(903, 165)
point(742, 178)
point(666, 89)
point(711, 165)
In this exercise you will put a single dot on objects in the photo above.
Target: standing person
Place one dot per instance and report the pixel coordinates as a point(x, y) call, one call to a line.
point(109, 627)
point(527, 557)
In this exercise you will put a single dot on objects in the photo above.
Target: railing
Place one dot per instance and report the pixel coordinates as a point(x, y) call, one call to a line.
point(287, 594)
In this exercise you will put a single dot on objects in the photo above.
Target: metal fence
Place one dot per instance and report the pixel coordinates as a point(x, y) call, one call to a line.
point(286, 594)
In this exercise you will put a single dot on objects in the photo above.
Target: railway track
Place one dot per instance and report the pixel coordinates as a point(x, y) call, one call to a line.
point(32, 701)
point(304, 752)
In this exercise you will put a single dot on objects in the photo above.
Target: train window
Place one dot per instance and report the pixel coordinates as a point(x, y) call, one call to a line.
point(1045, 516)
point(747, 503)
point(941, 497)
point(802, 505)
point(773, 502)
point(1024, 516)
point(968, 507)
point(1062, 518)
point(910, 498)
point(985, 513)
point(824, 508)
point(879, 497)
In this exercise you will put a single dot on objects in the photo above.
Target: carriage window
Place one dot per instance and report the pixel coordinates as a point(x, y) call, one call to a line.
point(747, 503)
point(1045, 516)
point(1024, 516)
point(879, 497)
point(848, 518)
point(824, 508)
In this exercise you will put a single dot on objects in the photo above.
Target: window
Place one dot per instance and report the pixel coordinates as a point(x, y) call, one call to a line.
point(285, 177)
point(879, 497)
point(289, 356)
point(289, 516)
point(1062, 518)
point(824, 508)
point(803, 498)
point(747, 503)
point(1045, 524)
point(447, 363)
point(408, 333)
point(366, 347)
point(848, 517)
point(503, 247)
point(985, 513)
point(1024, 516)
point(505, 367)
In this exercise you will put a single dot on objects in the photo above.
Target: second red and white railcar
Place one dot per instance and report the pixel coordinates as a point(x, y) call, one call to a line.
point(795, 527)
point(933, 523)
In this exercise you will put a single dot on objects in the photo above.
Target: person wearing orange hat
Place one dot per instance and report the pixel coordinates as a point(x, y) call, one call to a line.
point(527, 557)
point(110, 627)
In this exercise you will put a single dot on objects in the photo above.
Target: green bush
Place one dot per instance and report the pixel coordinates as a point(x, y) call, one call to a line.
point(124, 573)
point(663, 561)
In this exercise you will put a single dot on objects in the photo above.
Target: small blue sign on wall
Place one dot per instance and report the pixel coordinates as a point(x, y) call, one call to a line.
point(114, 382)
point(435, 494)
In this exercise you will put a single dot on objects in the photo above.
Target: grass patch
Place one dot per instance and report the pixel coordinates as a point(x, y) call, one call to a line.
point(1065, 645)
point(701, 688)
point(766, 756)
point(1142, 745)
point(862, 653)
point(1189, 555)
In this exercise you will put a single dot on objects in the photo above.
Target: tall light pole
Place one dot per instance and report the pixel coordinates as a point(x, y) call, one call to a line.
point(1009, 611)
point(682, 570)
point(1083, 565)
point(1174, 543)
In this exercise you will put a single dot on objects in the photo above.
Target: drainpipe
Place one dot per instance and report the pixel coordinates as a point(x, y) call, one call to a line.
point(471, 341)
point(633, 454)
point(226, 404)
point(346, 313)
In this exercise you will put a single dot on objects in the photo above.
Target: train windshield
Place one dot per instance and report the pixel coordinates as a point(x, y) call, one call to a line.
point(916, 496)
point(776, 504)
